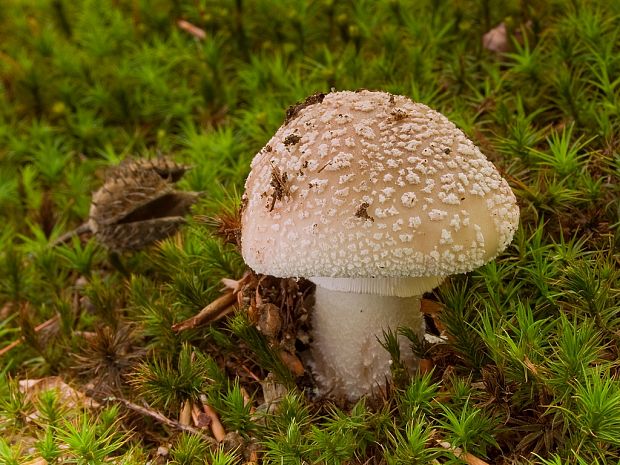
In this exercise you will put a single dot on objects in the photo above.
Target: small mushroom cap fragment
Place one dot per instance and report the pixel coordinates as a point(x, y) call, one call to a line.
point(369, 184)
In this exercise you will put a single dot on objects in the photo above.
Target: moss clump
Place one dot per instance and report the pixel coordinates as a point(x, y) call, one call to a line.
point(529, 373)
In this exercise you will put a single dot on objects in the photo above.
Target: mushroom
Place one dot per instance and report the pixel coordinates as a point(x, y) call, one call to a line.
point(376, 199)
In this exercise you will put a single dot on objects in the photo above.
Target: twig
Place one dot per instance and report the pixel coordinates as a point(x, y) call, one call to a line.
point(160, 418)
point(251, 374)
point(325, 166)
point(66, 237)
point(214, 311)
point(193, 30)
point(37, 328)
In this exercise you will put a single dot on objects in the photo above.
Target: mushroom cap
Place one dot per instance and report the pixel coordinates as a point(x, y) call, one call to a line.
point(369, 184)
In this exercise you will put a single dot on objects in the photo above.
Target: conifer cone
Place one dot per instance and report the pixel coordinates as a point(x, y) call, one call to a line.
point(138, 204)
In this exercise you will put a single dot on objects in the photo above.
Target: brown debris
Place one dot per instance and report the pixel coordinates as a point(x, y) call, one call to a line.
point(137, 205)
point(6, 310)
point(287, 295)
point(472, 459)
point(433, 309)
point(247, 400)
point(37, 461)
point(220, 307)
point(273, 393)
point(269, 320)
point(292, 362)
point(398, 114)
point(293, 111)
point(38, 328)
point(292, 139)
point(275, 303)
point(496, 40)
point(200, 419)
point(279, 182)
point(323, 167)
point(161, 418)
point(191, 29)
point(68, 396)
point(217, 309)
point(217, 429)
point(185, 416)
point(362, 212)
point(430, 307)
point(468, 458)
point(426, 366)
point(274, 306)
point(226, 223)
point(233, 441)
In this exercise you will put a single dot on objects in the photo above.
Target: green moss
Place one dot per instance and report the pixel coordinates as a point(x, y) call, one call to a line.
point(529, 374)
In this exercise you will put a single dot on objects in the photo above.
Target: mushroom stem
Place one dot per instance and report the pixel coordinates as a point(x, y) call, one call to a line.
point(349, 360)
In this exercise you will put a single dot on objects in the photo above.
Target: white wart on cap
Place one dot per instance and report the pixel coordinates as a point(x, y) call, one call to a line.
point(369, 184)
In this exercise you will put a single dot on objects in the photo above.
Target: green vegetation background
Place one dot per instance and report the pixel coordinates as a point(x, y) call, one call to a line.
point(530, 374)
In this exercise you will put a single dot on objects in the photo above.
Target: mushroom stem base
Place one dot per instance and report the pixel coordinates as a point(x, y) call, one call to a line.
point(348, 359)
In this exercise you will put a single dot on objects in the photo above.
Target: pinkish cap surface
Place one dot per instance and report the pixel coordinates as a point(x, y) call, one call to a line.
point(369, 184)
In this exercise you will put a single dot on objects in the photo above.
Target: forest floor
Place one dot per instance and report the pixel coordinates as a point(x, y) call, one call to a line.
point(94, 367)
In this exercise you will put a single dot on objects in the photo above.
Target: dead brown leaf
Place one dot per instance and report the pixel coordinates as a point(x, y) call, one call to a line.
point(69, 396)
point(430, 307)
point(292, 362)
